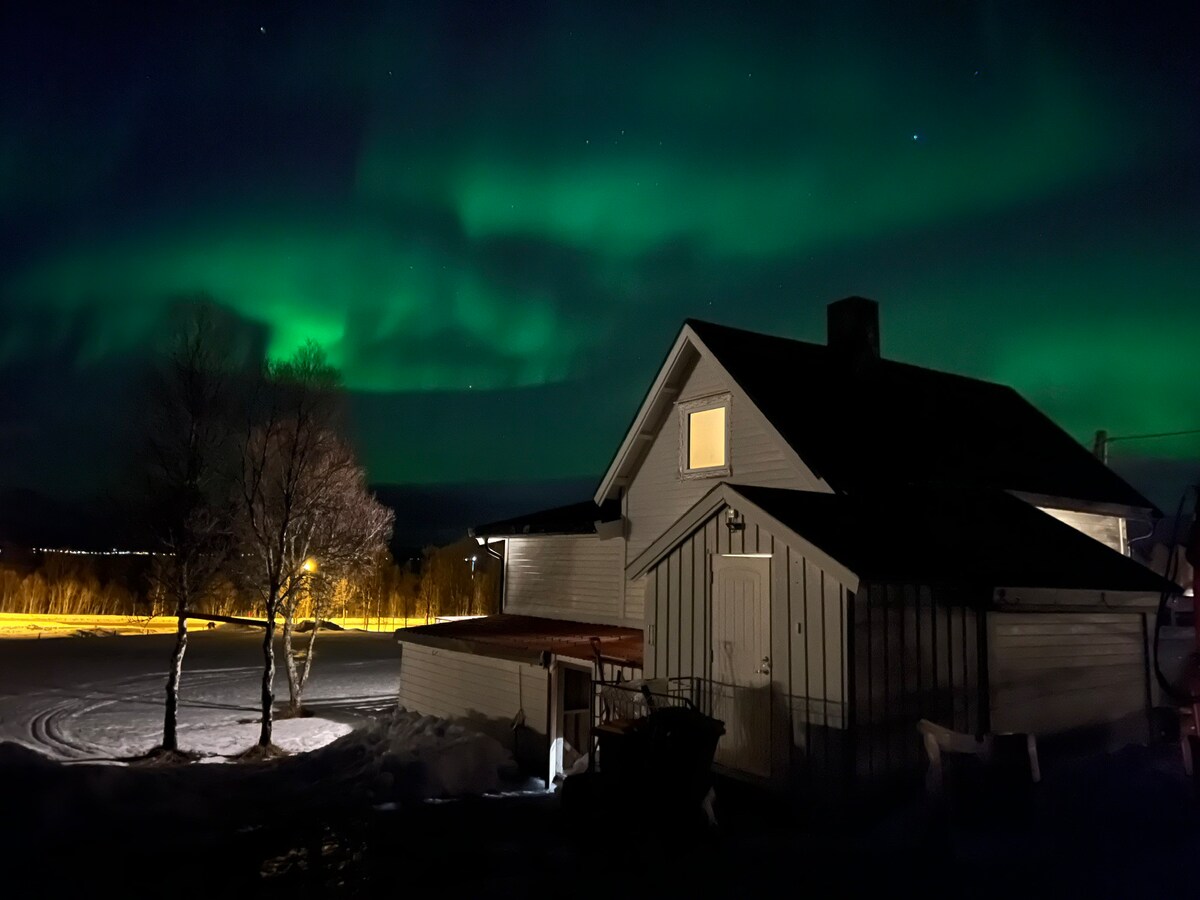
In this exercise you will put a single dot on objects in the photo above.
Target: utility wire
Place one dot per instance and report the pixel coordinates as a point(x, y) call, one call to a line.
point(1161, 434)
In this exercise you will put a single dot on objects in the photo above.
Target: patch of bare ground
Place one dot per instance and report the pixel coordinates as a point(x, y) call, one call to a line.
point(259, 753)
point(287, 713)
point(159, 756)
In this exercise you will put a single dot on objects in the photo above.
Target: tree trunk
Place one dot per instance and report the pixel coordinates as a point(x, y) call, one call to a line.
point(268, 679)
point(171, 715)
point(293, 676)
point(308, 656)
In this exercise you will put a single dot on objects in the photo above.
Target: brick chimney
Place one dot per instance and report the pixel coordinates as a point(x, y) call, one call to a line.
point(854, 330)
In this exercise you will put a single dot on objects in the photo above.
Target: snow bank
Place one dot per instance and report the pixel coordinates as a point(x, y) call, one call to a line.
point(426, 757)
point(401, 758)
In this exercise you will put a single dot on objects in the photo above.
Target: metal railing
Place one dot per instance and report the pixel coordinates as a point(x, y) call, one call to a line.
point(637, 699)
point(625, 701)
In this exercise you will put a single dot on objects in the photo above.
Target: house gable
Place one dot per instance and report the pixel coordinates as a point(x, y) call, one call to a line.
point(782, 398)
point(690, 371)
point(651, 465)
point(727, 496)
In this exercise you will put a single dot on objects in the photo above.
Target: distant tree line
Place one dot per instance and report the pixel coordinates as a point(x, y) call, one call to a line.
point(73, 585)
point(437, 584)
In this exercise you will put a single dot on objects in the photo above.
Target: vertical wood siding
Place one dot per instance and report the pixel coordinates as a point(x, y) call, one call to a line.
point(657, 496)
point(809, 677)
point(813, 640)
point(916, 656)
point(571, 577)
point(1053, 674)
point(478, 691)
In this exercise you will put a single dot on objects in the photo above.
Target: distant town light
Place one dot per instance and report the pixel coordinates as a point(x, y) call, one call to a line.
point(113, 552)
point(310, 565)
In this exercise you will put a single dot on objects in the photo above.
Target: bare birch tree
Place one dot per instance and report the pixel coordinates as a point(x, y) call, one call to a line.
point(349, 531)
point(303, 506)
point(189, 435)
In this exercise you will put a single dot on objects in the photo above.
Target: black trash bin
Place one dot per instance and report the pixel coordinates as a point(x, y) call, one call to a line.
point(679, 745)
point(659, 766)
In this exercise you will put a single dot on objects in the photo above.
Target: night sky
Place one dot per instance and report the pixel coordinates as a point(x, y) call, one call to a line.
point(494, 216)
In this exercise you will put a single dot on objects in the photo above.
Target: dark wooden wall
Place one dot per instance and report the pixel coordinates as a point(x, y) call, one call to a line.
point(917, 654)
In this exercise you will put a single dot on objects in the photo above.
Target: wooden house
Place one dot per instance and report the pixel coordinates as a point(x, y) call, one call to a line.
point(820, 547)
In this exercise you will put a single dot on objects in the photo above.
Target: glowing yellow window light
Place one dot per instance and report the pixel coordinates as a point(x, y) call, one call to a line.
point(706, 438)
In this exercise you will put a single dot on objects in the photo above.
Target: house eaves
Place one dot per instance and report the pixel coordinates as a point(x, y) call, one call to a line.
point(530, 639)
point(939, 536)
point(659, 402)
point(866, 424)
point(727, 495)
point(574, 519)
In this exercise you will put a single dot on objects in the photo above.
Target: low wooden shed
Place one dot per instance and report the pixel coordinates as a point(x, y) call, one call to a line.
point(822, 627)
point(525, 680)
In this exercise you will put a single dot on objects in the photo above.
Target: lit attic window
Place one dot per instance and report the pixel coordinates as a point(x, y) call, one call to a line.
point(706, 438)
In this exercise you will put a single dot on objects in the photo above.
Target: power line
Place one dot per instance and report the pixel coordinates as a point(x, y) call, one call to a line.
point(1161, 434)
point(1100, 447)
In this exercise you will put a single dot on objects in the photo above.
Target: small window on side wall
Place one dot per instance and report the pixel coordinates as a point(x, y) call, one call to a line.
point(704, 437)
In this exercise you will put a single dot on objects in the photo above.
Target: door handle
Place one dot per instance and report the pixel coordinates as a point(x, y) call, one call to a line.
point(765, 667)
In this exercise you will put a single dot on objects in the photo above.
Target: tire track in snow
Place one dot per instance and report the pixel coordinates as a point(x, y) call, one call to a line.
point(61, 729)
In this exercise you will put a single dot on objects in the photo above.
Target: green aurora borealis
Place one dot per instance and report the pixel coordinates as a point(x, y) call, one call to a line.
point(495, 216)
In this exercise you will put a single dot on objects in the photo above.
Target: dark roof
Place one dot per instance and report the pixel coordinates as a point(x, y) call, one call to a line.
point(952, 536)
point(527, 637)
point(884, 423)
point(577, 518)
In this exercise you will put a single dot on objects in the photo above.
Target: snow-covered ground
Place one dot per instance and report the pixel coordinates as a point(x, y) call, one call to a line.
point(73, 707)
point(347, 819)
point(102, 698)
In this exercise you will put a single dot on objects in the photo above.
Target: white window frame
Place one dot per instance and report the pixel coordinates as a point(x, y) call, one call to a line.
point(686, 408)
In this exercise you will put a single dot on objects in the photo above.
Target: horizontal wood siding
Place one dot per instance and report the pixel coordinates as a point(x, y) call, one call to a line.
point(635, 599)
point(477, 691)
point(658, 496)
point(916, 656)
point(1110, 530)
point(1053, 674)
point(571, 577)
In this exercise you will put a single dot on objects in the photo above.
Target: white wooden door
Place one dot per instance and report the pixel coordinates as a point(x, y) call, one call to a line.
point(741, 689)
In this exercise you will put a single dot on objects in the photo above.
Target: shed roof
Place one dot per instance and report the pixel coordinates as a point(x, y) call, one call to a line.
point(951, 536)
point(528, 637)
point(865, 424)
point(575, 518)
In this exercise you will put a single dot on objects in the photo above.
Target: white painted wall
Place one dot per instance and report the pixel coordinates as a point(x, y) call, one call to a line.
point(657, 495)
point(635, 599)
point(478, 691)
point(807, 615)
point(1050, 673)
point(1108, 530)
point(572, 577)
